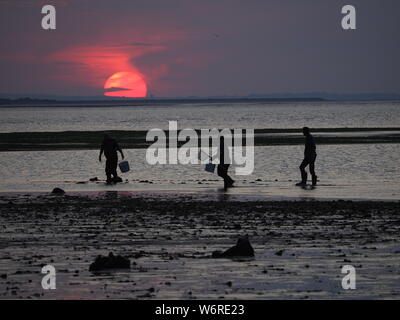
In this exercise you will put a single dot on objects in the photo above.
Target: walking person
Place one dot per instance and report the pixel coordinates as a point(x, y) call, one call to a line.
point(310, 155)
point(224, 163)
point(110, 147)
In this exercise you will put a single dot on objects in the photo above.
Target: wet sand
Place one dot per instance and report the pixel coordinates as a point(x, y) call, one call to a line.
point(300, 247)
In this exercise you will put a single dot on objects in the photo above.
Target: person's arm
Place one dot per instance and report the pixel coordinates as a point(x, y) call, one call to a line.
point(101, 152)
point(120, 151)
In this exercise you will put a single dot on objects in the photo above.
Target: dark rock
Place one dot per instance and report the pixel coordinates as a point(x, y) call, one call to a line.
point(110, 262)
point(94, 179)
point(216, 254)
point(242, 248)
point(58, 191)
point(3, 276)
point(280, 252)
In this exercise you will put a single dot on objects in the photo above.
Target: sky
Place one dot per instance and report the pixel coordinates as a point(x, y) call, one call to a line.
point(181, 48)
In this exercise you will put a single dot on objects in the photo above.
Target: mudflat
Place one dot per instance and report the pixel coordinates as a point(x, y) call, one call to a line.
point(300, 247)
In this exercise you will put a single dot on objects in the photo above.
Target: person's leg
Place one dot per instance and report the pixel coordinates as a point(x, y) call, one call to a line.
point(312, 171)
point(108, 170)
point(115, 175)
point(222, 171)
point(114, 165)
point(228, 179)
point(303, 172)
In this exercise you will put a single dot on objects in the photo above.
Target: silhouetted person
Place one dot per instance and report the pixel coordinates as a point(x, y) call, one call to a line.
point(310, 155)
point(110, 148)
point(222, 169)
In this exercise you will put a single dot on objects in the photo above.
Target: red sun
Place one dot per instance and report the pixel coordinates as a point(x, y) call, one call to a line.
point(126, 84)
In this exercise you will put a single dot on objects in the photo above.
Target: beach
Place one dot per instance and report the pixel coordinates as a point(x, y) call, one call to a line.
point(300, 247)
point(229, 151)
point(169, 219)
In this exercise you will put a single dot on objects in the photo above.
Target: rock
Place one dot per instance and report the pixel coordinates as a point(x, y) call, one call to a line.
point(280, 252)
point(110, 262)
point(58, 191)
point(242, 248)
point(94, 179)
point(3, 276)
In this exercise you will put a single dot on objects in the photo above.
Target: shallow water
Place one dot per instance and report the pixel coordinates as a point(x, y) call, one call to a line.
point(364, 171)
point(248, 115)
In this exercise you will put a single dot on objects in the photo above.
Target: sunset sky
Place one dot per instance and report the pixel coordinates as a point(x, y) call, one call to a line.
point(177, 48)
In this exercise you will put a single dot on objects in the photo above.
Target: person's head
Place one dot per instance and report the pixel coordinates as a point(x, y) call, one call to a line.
point(306, 131)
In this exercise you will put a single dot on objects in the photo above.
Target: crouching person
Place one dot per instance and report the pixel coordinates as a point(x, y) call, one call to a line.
point(110, 147)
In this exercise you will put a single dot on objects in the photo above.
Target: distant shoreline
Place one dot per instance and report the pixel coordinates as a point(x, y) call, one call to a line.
point(28, 102)
point(89, 140)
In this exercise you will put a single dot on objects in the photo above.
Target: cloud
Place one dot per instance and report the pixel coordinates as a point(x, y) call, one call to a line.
point(31, 3)
point(115, 89)
point(93, 65)
point(190, 47)
point(140, 44)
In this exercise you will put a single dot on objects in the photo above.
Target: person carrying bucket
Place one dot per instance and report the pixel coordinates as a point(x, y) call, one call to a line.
point(224, 163)
point(110, 148)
